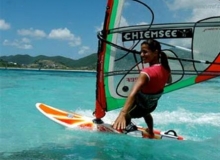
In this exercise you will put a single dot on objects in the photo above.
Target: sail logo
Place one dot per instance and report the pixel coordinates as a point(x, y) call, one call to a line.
point(131, 79)
point(211, 29)
point(164, 33)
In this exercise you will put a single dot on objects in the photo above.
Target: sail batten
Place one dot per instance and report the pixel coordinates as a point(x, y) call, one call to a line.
point(164, 26)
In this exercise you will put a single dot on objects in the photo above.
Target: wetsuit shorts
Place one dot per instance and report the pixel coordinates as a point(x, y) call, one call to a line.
point(144, 104)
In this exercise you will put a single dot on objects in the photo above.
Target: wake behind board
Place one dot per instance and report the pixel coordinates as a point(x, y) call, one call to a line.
point(74, 120)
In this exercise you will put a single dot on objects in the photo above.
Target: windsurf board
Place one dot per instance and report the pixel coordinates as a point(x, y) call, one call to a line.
point(74, 120)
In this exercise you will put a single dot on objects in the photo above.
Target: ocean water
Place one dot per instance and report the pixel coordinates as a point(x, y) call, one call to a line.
point(25, 134)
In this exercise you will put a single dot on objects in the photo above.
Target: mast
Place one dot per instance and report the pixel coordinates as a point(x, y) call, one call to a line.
point(112, 17)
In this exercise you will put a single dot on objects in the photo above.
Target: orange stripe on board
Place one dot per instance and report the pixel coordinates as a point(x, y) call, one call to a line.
point(70, 121)
point(54, 111)
point(212, 68)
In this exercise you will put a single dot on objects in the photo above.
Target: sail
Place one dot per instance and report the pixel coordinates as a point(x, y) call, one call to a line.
point(119, 62)
point(206, 48)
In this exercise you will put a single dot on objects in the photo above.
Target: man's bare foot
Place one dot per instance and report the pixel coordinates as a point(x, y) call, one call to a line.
point(150, 132)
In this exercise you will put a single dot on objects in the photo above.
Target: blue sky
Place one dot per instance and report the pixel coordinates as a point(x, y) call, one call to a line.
point(69, 27)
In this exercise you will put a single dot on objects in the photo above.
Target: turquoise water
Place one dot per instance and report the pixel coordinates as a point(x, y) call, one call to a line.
point(25, 134)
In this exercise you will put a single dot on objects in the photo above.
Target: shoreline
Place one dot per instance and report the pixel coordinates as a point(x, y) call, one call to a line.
point(36, 69)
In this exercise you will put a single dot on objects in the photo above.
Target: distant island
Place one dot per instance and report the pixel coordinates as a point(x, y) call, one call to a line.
point(46, 62)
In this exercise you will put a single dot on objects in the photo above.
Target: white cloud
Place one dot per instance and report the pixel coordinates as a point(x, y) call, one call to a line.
point(83, 50)
point(65, 34)
point(4, 25)
point(199, 13)
point(26, 40)
point(180, 4)
point(75, 42)
point(32, 33)
point(26, 46)
point(142, 23)
point(198, 9)
point(24, 43)
point(189, 4)
point(98, 29)
point(62, 34)
point(126, 4)
point(123, 22)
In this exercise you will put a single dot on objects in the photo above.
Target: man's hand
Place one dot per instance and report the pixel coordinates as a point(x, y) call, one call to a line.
point(120, 122)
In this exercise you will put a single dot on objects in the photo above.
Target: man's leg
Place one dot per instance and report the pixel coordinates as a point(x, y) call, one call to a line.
point(149, 121)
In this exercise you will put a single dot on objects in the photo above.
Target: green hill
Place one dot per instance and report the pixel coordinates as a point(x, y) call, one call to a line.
point(55, 62)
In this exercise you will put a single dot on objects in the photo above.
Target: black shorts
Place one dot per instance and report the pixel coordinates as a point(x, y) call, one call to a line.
point(137, 111)
point(143, 104)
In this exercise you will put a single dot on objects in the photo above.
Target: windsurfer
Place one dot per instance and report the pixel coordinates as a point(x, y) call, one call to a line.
point(148, 88)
